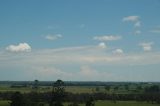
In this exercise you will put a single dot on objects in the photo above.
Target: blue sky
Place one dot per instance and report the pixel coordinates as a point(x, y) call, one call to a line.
point(93, 40)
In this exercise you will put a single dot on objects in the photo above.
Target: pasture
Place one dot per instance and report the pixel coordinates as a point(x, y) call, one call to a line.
point(72, 89)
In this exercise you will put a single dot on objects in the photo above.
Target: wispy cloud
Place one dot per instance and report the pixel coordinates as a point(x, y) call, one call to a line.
point(53, 37)
point(137, 24)
point(83, 73)
point(88, 73)
point(147, 46)
point(21, 47)
point(107, 38)
point(44, 72)
point(156, 30)
point(82, 26)
point(49, 63)
point(137, 32)
point(81, 55)
point(50, 27)
point(133, 19)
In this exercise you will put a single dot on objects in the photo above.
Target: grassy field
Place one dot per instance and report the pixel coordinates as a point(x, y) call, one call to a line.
point(104, 103)
point(72, 89)
point(4, 103)
point(121, 87)
point(123, 103)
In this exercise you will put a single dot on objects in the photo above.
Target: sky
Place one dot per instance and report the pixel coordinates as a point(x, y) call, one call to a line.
point(80, 40)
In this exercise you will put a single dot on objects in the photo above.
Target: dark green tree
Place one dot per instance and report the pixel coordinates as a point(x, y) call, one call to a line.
point(153, 93)
point(36, 84)
point(17, 99)
point(116, 88)
point(97, 89)
point(126, 87)
point(139, 88)
point(34, 99)
point(114, 98)
point(152, 89)
point(58, 93)
point(90, 102)
point(107, 88)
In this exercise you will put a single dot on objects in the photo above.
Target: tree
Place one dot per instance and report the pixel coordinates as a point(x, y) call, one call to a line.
point(152, 89)
point(36, 84)
point(153, 92)
point(58, 93)
point(107, 87)
point(139, 88)
point(90, 102)
point(34, 94)
point(97, 89)
point(17, 99)
point(126, 87)
point(116, 88)
point(34, 98)
point(114, 98)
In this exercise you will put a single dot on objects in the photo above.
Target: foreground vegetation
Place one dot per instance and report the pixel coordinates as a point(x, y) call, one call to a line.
point(79, 94)
point(102, 103)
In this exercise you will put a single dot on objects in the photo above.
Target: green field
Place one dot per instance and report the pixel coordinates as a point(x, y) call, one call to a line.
point(123, 103)
point(72, 89)
point(4, 103)
point(103, 103)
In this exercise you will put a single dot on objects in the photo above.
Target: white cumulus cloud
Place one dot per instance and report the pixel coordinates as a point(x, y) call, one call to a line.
point(102, 45)
point(21, 47)
point(147, 46)
point(53, 37)
point(118, 51)
point(107, 38)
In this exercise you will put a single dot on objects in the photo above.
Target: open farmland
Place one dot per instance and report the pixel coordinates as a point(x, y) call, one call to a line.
point(78, 87)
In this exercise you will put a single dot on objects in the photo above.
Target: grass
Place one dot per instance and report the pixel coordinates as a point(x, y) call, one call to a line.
point(4, 103)
point(104, 103)
point(8, 88)
point(123, 103)
point(80, 89)
point(72, 89)
point(120, 103)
